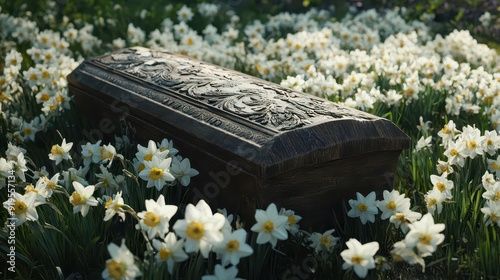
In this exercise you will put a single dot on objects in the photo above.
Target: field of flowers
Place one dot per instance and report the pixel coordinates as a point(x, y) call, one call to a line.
point(75, 207)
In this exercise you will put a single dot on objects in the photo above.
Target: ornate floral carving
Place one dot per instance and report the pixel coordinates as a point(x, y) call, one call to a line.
point(270, 105)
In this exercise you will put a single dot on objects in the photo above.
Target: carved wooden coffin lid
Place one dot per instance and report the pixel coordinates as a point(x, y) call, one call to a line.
point(272, 128)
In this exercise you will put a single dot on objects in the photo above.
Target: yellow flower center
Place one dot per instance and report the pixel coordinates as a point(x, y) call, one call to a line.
point(440, 186)
point(489, 142)
point(155, 173)
point(495, 165)
point(151, 219)
point(116, 269)
point(362, 207)
point(44, 97)
point(33, 76)
point(325, 241)
point(232, 245)
point(45, 74)
point(472, 144)
point(56, 150)
point(108, 203)
point(59, 98)
point(189, 41)
point(453, 152)
point(105, 182)
point(268, 226)
point(27, 131)
point(401, 217)
point(51, 185)
point(77, 199)
point(195, 230)
point(497, 196)
point(391, 205)
point(431, 202)
point(105, 154)
point(148, 157)
point(141, 167)
point(30, 188)
point(165, 254)
point(291, 220)
point(20, 208)
point(494, 218)
point(425, 239)
point(356, 259)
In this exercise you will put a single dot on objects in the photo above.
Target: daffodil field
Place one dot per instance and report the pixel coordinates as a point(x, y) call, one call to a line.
point(80, 209)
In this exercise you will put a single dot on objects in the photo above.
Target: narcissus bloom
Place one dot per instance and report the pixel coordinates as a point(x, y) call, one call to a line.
point(121, 265)
point(157, 172)
point(425, 235)
point(393, 203)
point(58, 153)
point(156, 217)
point(359, 256)
point(221, 273)
point(22, 207)
point(363, 207)
point(200, 228)
point(114, 206)
point(323, 242)
point(182, 171)
point(170, 250)
point(491, 212)
point(82, 198)
point(270, 225)
point(233, 247)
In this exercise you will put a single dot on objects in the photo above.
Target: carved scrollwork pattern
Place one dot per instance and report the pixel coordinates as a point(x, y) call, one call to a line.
point(262, 102)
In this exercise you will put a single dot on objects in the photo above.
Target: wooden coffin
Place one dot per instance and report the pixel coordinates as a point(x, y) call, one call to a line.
point(253, 142)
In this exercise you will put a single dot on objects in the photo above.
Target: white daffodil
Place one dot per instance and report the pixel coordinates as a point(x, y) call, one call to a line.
point(359, 256)
point(5, 167)
point(155, 220)
point(82, 198)
point(434, 199)
point(442, 184)
point(323, 242)
point(494, 166)
point(91, 153)
point(493, 193)
point(170, 251)
point(106, 181)
point(58, 153)
point(425, 235)
point(147, 153)
point(200, 228)
point(363, 207)
point(22, 207)
point(402, 219)
point(51, 184)
point(233, 247)
point(293, 219)
point(455, 153)
point(40, 189)
point(121, 265)
point(114, 206)
point(491, 212)
point(166, 145)
point(423, 143)
point(221, 273)
point(270, 225)
point(474, 142)
point(20, 167)
point(488, 180)
point(401, 252)
point(157, 172)
point(393, 203)
point(107, 153)
point(182, 171)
